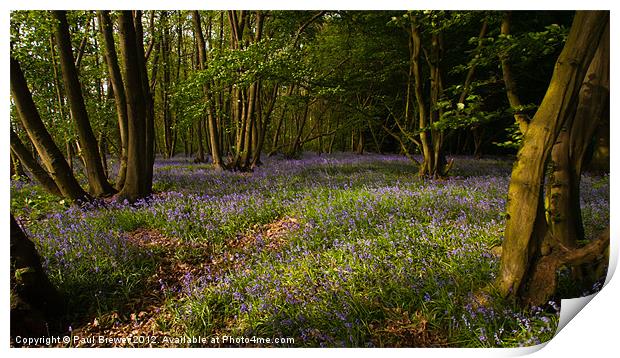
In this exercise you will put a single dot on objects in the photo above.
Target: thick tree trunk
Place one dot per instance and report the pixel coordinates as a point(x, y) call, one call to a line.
point(49, 153)
point(149, 136)
point(569, 154)
point(134, 187)
point(35, 303)
point(118, 89)
point(24, 155)
point(526, 229)
point(98, 184)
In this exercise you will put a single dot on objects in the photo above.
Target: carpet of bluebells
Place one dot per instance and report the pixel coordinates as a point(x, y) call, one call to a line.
point(375, 255)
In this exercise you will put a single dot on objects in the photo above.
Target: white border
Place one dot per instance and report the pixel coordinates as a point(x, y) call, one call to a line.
point(592, 332)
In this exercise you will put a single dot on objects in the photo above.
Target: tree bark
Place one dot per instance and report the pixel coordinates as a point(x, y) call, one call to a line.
point(521, 118)
point(35, 302)
point(119, 92)
point(149, 136)
point(49, 153)
point(212, 127)
point(526, 228)
point(569, 153)
point(98, 184)
point(134, 187)
point(24, 155)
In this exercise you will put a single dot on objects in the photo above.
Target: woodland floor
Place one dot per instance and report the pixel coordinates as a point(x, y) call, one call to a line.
point(332, 250)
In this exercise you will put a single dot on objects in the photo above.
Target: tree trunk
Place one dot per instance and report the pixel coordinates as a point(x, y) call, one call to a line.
point(98, 184)
point(134, 187)
point(521, 118)
point(165, 47)
point(35, 302)
point(70, 154)
point(425, 139)
point(149, 132)
point(569, 153)
point(118, 90)
point(526, 230)
point(267, 120)
point(49, 153)
point(18, 169)
point(103, 150)
point(212, 127)
point(24, 155)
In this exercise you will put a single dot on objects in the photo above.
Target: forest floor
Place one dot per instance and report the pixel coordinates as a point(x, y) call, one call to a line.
point(331, 250)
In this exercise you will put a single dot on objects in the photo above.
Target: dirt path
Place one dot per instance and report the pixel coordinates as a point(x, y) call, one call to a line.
point(143, 316)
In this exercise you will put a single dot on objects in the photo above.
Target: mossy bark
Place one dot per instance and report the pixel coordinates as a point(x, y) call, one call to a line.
point(49, 153)
point(527, 236)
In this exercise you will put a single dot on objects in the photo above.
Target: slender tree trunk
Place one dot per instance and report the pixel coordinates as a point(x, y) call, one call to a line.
point(70, 154)
point(476, 130)
point(261, 140)
point(212, 127)
point(24, 155)
point(103, 150)
point(529, 263)
point(118, 89)
point(49, 153)
point(18, 169)
point(82, 48)
point(276, 135)
point(423, 115)
point(521, 118)
point(165, 48)
point(99, 186)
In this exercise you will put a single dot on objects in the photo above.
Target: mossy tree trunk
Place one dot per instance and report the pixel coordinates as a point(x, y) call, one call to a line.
point(530, 255)
point(49, 153)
